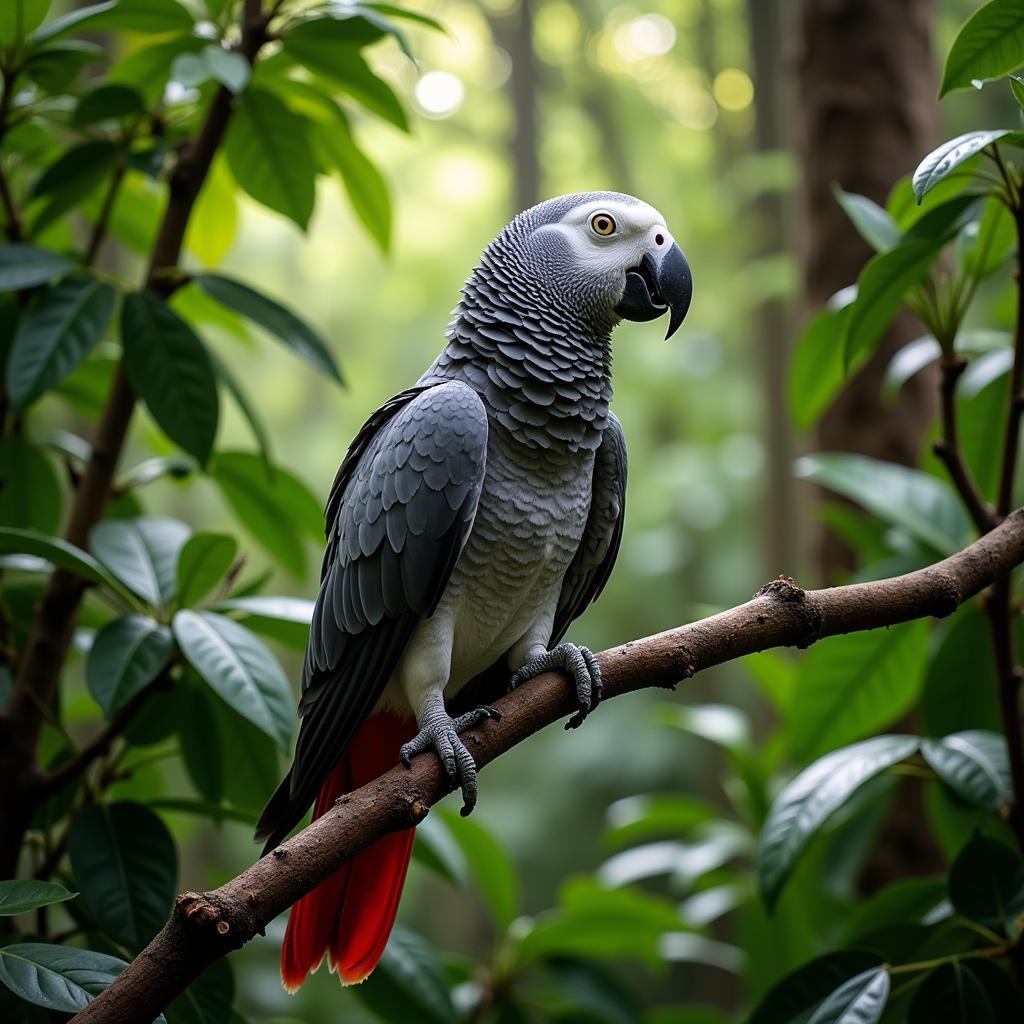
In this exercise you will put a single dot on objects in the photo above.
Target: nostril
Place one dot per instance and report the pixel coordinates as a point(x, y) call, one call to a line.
point(659, 239)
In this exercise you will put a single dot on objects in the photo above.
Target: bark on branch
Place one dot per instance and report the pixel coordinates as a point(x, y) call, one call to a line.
point(206, 926)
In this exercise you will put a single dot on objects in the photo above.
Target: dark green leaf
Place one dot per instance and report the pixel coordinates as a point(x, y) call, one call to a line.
point(19, 17)
point(108, 103)
point(240, 669)
point(126, 866)
point(344, 67)
point(160, 715)
point(285, 619)
point(204, 809)
point(874, 223)
point(947, 704)
point(126, 656)
point(943, 221)
point(208, 999)
point(142, 554)
point(853, 685)
point(794, 999)
point(1017, 89)
point(59, 329)
point(272, 317)
point(813, 796)
point(407, 984)
point(149, 67)
point(71, 178)
point(276, 506)
point(170, 369)
point(251, 771)
point(56, 67)
point(201, 746)
point(923, 505)
point(990, 44)
point(204, 560)
point(1004, 996)
point(270, 157)
point(151, 16)
point(974, 764)
point(951, 994)
point(64, 24)
point(19, 896)
point(986, 883)
point(60, 552)
point(882, 284)
point(635, 819)
point(907, 901)
point(816, 373)
point(57, 977)
point(986, 243)
point(248, 410)
point(25, 266)
point(394, 11)
point(30, 494)
point(950, 155)
point(493, 872)
point(861, 1000)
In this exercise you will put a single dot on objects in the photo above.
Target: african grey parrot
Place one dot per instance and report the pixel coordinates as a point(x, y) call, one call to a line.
point(475, 515)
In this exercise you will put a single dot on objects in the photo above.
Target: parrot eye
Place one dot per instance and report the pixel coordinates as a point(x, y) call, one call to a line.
point(602, 224)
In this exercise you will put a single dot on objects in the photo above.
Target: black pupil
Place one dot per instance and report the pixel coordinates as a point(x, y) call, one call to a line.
point(603, 225)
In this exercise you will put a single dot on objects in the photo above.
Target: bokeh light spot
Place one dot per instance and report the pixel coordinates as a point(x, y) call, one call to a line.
point(439, 94)
point(733, 89)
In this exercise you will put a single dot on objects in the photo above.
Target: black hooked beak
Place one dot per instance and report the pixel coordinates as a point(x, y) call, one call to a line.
point(662, 280)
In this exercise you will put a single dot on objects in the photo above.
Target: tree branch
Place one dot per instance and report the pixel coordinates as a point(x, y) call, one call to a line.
point(947, 448)
point(206, 926)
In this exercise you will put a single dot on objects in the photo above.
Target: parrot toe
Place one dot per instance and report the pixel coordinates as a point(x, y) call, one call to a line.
point(580, 665)
point(440, 732)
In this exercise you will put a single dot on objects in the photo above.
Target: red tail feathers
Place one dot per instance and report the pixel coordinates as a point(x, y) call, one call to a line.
point(349, 916)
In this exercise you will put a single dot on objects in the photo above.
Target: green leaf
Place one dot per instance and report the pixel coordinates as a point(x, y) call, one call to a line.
point(204, 560)
point(72, 178)
point(170, 369)
point(947, 705)
point(251, 772)
point(951, 994)
point(19, 896)
point(882, 284)
point(214, 220)
point(55, 68)
point(149, 16)
point(974, 764)
point(126, 656)
point(944, 220)
point(986, 883)
point(248, 410)
point(493, 872)
point(126, 866)
point(922, 505)
point(30, 494)
point(285, 619)
point(1017, 89)
point(276, 507)
point(873, 222)
point(25, 266)
point(1004, 996)
point(853, 685)
point(407, 984)
point(795, 997)
point(58, 330)
point(213, 63)
point(269, 153)
point(272, 317)
point(950, 155)
point(201, 746)
point(149, 67)
point(861, 1000)
point(990, 44)
point(63, 554)
point(208, 999)
point(57, 977)
point(907, 363)
point(813, 796)
point(108, 103)
point(816, 372)
point(635, 819)
point(240, 669)
point(344, 67)
point(64, 24)
point(986, 243)
point(19, 17)
point(142, 553)
point(906, 902)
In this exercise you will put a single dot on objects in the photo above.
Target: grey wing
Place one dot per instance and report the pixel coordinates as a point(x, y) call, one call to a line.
point(592, 565)
point(398, 516)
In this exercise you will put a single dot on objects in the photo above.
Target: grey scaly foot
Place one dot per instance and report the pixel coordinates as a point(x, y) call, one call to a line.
point(440, 732)
point(576, 662)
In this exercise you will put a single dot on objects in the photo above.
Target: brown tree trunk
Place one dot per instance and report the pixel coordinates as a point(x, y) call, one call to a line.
point(865, 86)
point(866, 113)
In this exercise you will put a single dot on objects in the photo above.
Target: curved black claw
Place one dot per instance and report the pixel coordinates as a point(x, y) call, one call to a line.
point(440, 732)
point(576, 662)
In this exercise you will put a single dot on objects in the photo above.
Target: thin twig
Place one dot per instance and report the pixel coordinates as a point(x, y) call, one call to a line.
point(99, 230)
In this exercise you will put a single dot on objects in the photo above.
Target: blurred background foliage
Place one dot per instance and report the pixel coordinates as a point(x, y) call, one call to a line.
point(514, 102)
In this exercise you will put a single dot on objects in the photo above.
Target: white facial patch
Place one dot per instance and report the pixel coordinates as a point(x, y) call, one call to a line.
point(639, 228)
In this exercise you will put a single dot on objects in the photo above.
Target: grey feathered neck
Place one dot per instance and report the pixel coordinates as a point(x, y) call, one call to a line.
point(533, 338)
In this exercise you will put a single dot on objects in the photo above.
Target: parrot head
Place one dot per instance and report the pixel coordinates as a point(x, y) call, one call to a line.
point(603, 256)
